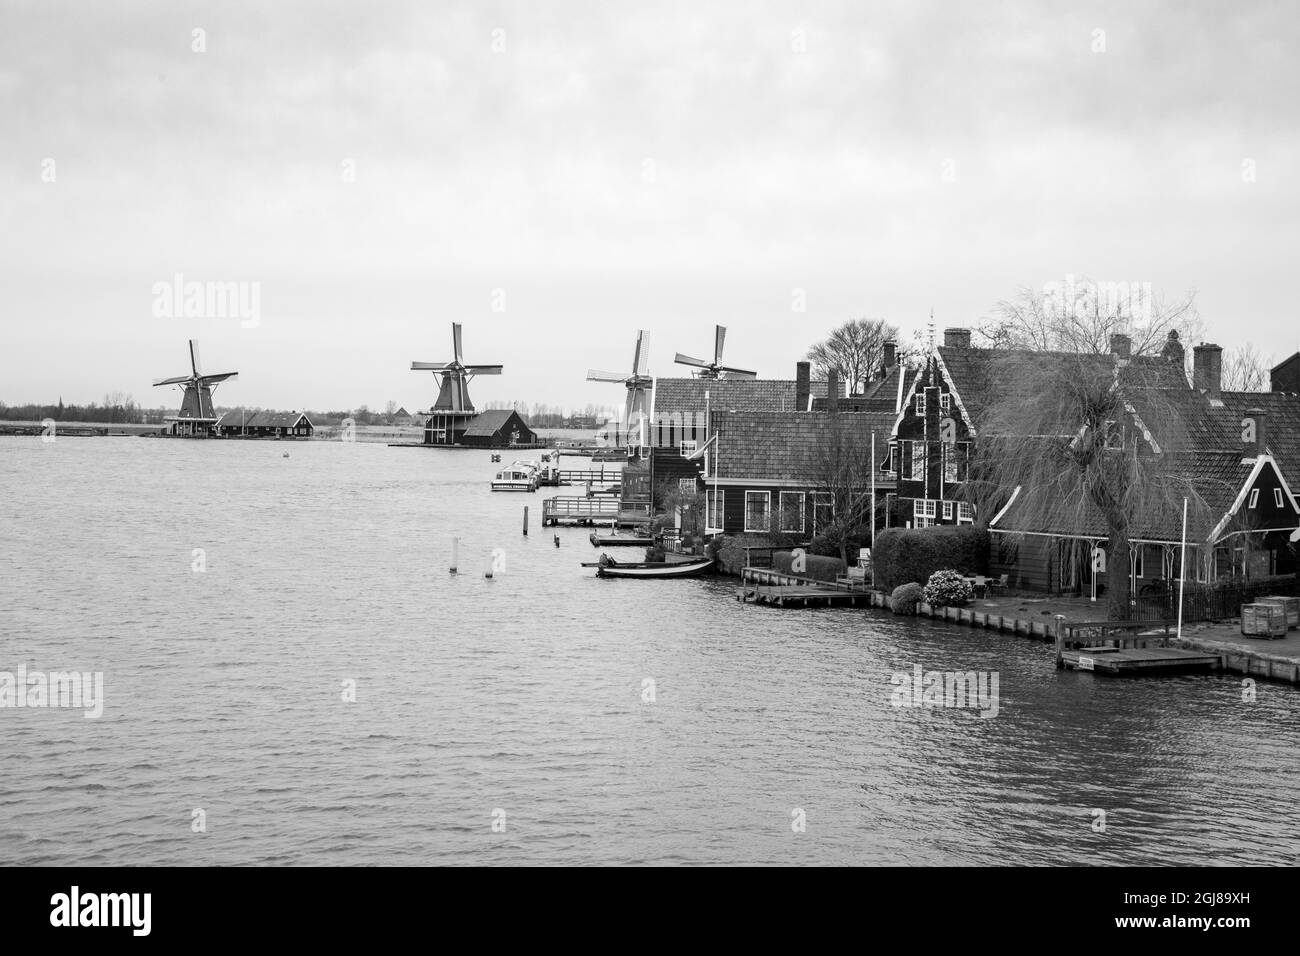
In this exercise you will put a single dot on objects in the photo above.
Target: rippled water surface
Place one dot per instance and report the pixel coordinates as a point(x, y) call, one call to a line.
point(523, 694)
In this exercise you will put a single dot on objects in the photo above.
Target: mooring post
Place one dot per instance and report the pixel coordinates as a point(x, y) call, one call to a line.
point(455, 554)
point(1060, 640)
point(525, 521)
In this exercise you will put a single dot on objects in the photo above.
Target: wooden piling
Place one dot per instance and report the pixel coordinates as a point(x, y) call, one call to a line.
point(525, 521)
point(455, 554)
point(1060, 641)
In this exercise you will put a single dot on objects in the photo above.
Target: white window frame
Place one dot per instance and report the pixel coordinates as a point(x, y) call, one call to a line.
point(821, 499)
point(781, 512)
point(1277, 497)
point(1254, 498)
point(687, 448)
point(686, 486)
point(916, 468)
point(715, 506)
point(920, 402)
point(950, 464)
point(767, 512)
point(1112, 432)
point(945, 402)
point(923, 512)
point(965, 513)
point(947, 510)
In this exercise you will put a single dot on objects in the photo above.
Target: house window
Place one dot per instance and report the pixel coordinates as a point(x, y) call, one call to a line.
point(715, 508)
point(1113, 440)
point(823, 510)
point(1254, 498)
point(917, 472)
point(947, 510)
point(923, 512)
point(686, 486)
point(950, 457)
point(1277, 497)
point(792, 511)
point(687, 448)
point(965, 513)
point(757, 504)
point(920, 404)
point(945, 402)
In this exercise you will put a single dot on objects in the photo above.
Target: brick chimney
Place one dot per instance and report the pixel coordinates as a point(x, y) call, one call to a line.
point(891, 355)
point(802, 386)
point(832, 392)
point(1121, 346)
point(956, 338)
point(1253, 449)
point(1173, 352)
point(1207, 369)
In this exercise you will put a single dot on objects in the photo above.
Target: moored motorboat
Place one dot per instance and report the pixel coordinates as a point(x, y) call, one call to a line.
point(515, 478)
point(607, 567)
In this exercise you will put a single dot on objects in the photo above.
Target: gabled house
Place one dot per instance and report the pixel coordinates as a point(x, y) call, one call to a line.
point(497, 428)
point(783, 472)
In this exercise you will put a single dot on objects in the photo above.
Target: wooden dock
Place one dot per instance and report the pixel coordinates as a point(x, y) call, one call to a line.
point(1135, 662)
point(566, 509)
point(765, 586)
point(1122, 649)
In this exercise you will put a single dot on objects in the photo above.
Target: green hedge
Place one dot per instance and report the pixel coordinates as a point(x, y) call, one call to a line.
point(816, 566)
point(903, 555)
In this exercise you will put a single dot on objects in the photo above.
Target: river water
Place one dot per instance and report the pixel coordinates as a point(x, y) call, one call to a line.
point(233, 597)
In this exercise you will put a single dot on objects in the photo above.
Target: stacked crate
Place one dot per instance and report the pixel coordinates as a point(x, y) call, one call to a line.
point(1291, 605)
point(1263, 620)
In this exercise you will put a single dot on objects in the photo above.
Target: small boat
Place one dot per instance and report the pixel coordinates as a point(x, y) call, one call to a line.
point(619, 540)
point(607, 567)
point(515, 478)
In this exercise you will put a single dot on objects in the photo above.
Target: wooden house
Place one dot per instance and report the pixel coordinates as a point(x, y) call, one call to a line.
point(497, 428)
point(1236, 450)
point(241, 423)
point(784, 472)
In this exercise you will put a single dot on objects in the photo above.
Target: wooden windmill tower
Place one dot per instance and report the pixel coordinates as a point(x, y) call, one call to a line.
point(636, 412)
point(715, 369)
point(451, 413)
point(197, 418)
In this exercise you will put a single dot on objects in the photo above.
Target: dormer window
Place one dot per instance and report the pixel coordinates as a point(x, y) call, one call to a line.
point(1277, 497)
point(945, 402)
point(1254, 498)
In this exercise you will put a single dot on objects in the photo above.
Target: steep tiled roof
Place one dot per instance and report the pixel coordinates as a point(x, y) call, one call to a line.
point(683, 395)
point(238, 418)
point(1281, 425)
point(487, 423)
point(1216, 477)
point(792, 445)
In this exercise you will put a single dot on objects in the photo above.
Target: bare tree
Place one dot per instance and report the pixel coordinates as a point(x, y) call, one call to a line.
point(1071, 428)
point(1082, 315)
point(1246, 370)
point(842, 481)
point(855, 350)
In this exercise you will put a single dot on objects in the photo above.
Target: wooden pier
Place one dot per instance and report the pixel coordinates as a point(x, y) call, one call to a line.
point(565, 509)
point(765, 586)
point(1120, 649)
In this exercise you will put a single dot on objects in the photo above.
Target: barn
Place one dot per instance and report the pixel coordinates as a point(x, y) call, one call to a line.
point(496, 428)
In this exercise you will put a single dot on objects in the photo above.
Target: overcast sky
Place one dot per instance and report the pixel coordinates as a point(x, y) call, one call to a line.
point(384, 169)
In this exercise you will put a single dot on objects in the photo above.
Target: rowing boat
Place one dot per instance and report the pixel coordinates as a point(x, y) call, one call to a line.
point(609, 568)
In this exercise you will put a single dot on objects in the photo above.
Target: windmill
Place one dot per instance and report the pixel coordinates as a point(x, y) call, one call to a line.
point(453, 409)
point(637, 408)
point(196, 416)
point(715, 369)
